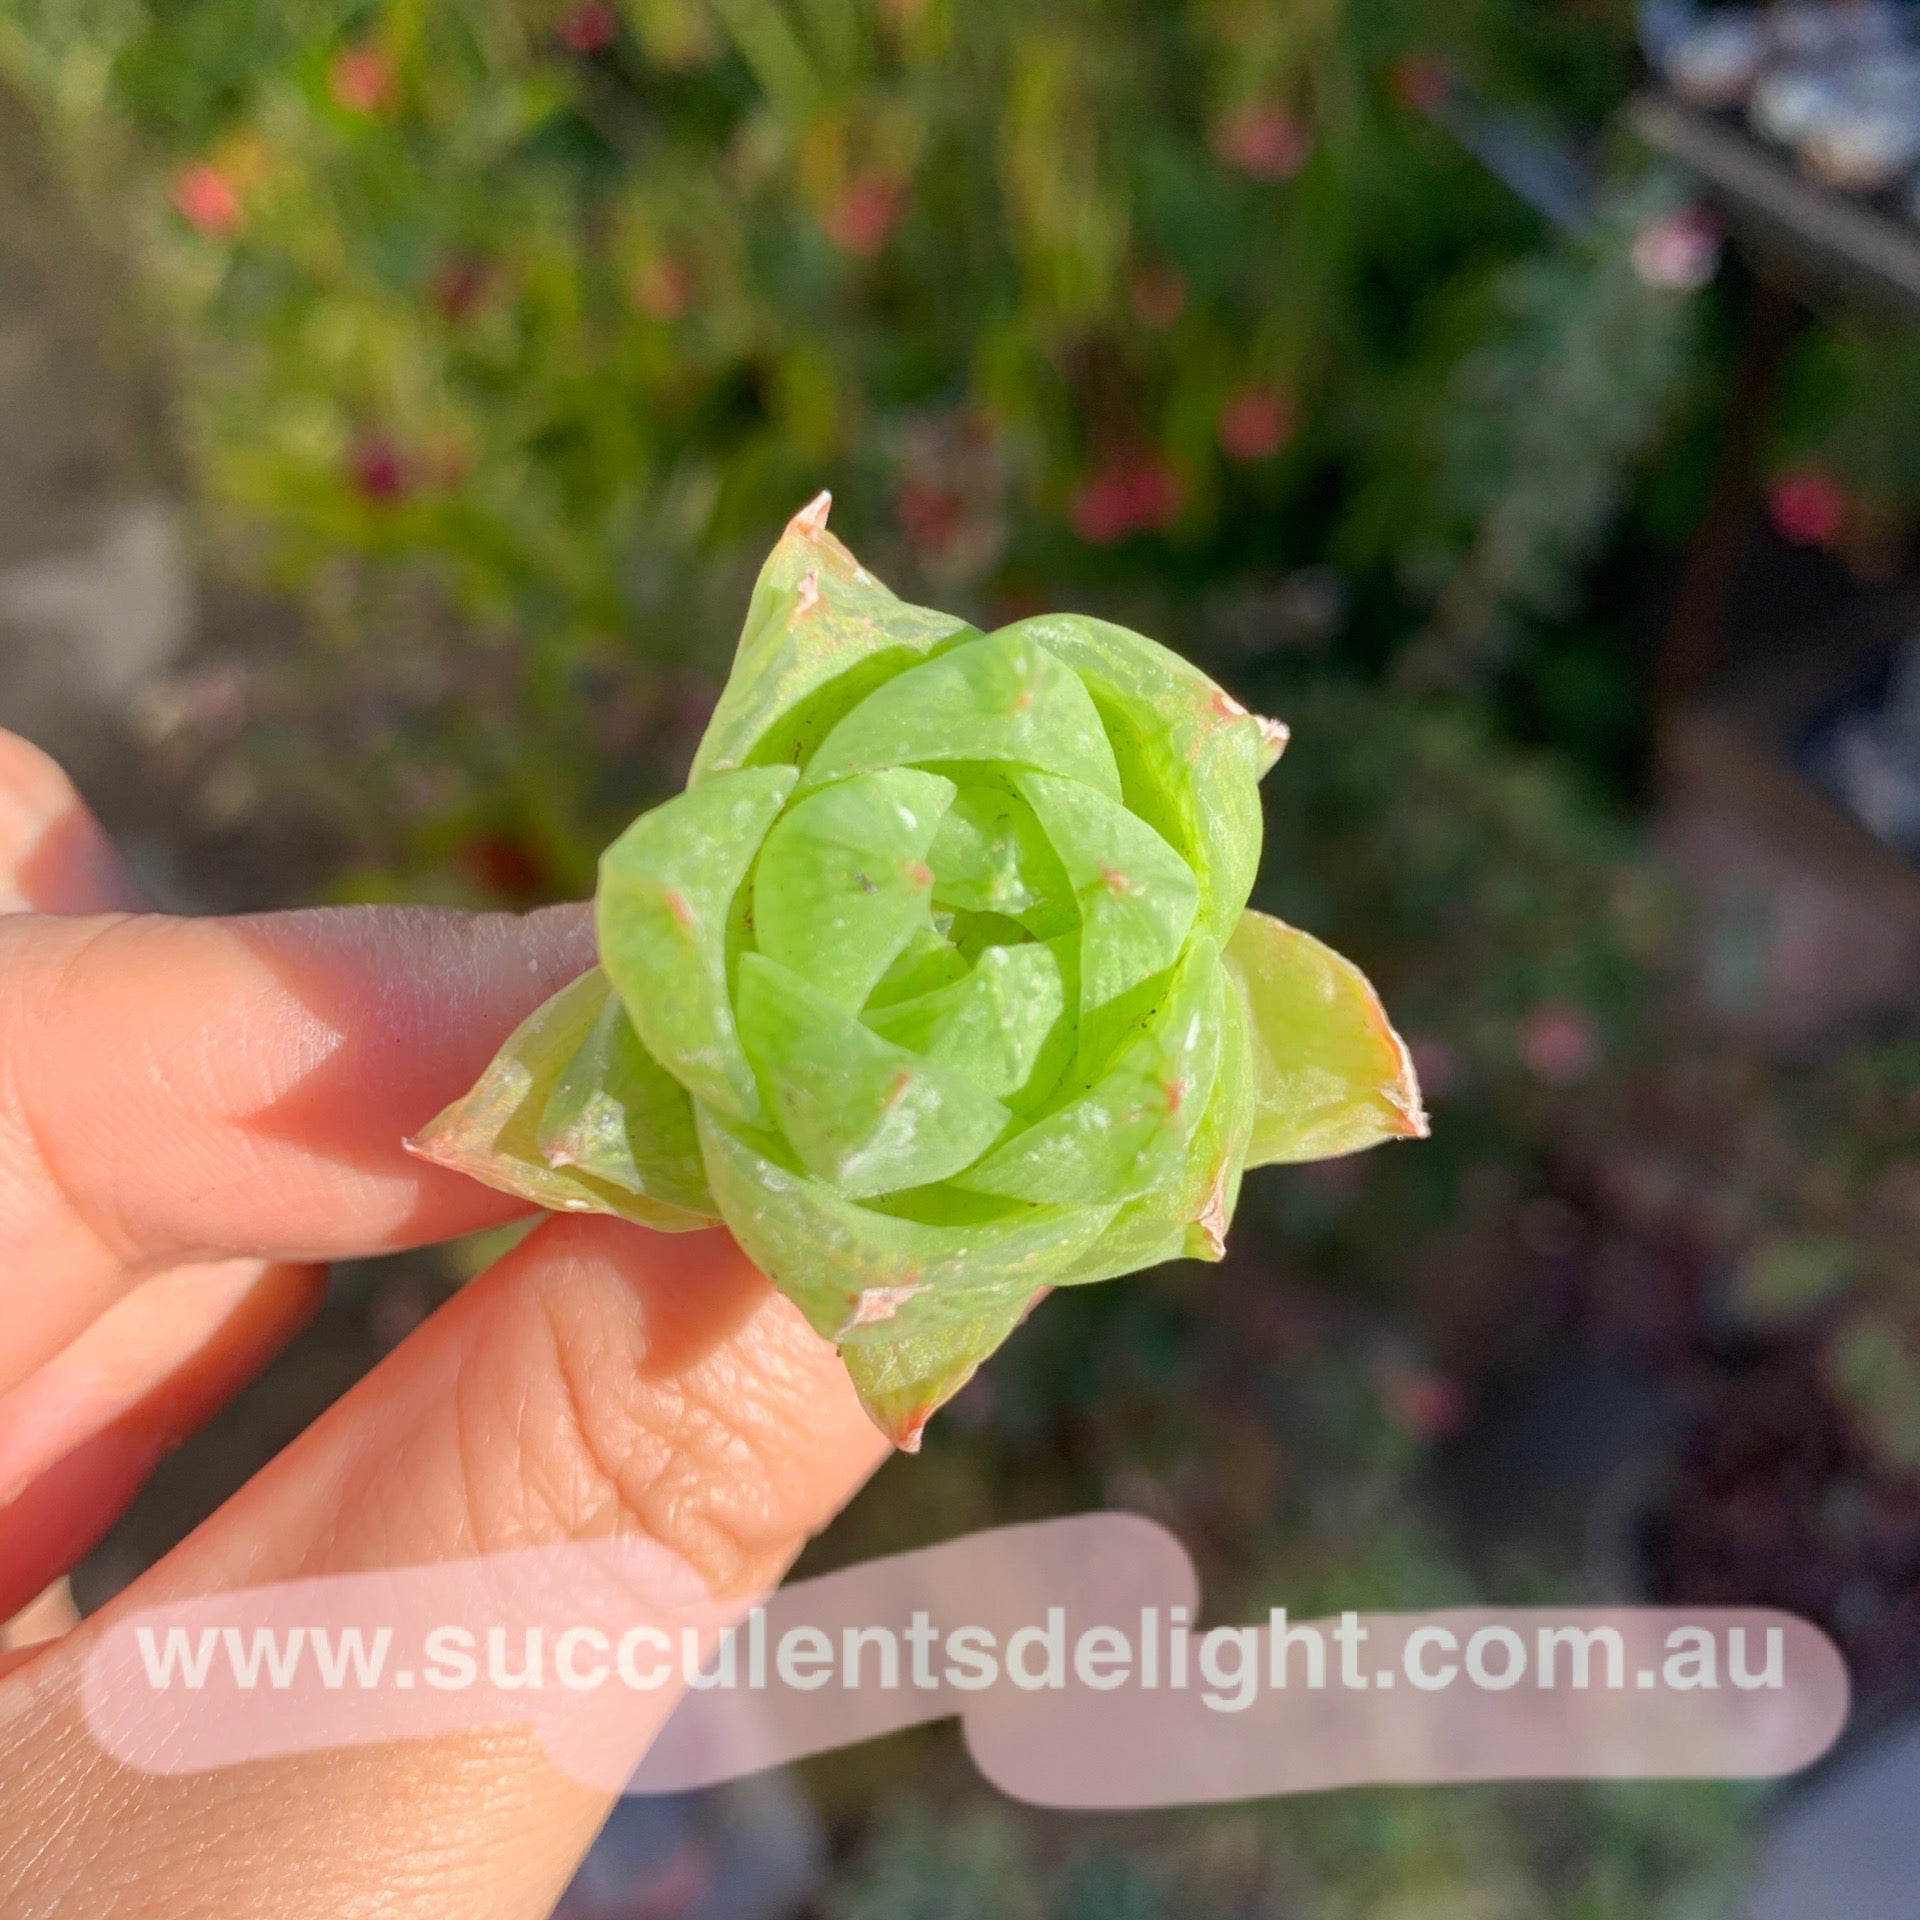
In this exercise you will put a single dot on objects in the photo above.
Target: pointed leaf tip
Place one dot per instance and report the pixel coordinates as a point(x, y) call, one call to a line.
point(428, 1145)
point(1331, 1075)
point(903, 1380)
point(811, 520)
point(1274, 734)
point(1211, 1222)
point(1404, 1095)
point(492, 1133)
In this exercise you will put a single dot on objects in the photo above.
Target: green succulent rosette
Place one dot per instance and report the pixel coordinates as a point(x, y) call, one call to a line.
point(937, 985)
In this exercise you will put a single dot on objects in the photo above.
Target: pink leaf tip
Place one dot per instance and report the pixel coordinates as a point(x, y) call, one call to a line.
point(811, 521)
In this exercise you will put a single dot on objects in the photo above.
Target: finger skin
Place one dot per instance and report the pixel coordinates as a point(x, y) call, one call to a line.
point(54, 858)
point(57, 1520)
point(176, 1091)
point(599, 1381)
point(78, 1439)
point(94, 1419)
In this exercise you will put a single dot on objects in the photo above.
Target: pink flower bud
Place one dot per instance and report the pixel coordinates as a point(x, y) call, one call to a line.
point(505, 866)
point(589, 28)
point(379, 472)
point(929, 514)
point(361, 80)
point(206, 199)
point(663, 288)
point(1559, 1044)
point(458, 285)
point(1680, 253)
point(1424, 1405)
point(1140, 494)
point(866, 212)
point(1807, 507)
point(1267, 142)
point(1421, 82)
point(1255, 423)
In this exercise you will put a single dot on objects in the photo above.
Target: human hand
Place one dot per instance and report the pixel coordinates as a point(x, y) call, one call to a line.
point(194, 1115)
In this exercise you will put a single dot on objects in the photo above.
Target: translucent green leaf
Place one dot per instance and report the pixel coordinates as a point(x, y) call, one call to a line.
point(870, 1278)
point(902, 1383)
point(820, 631)
point(1189, 1219)
point(1190, 756)
point(990, 856)
point(990, 1027)
point(860, 1112)
point(491, 1133)
point(1330, 1074)
point(617, 1115)
point(666, 889)
point(1060, 1052)
point(1102, 1033)
point(928, 961)
point(1128, 1134)
point(1137, 896)
point(843, 880)
point(973, 933)
point(1000, 699)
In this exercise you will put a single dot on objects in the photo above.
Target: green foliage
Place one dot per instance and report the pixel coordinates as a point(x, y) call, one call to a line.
point(1478, 882)
point(920, 1869)
point(1605, 1854)
point(1521, 447)
point(1852, 394)
point(1877, 1376)
point(523, 325)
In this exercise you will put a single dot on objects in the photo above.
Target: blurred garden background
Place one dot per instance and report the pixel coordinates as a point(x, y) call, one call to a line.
point(397, 398)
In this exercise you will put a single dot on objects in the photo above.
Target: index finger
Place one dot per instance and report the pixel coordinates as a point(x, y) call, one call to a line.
point(179, 1090)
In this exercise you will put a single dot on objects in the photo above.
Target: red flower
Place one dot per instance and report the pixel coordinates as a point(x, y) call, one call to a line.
point(458, 284)
point(504, 865)
point(1158, 295)
point(866, 212)
point(361, 80)
point(1421, 81)
point(1255, 423)
point(1425, 1406)
point(1267, 142)
point(663, 288)
point(589, 28)
point(379, 473)
point(929, 514)
point(1808, 507)
point(205, 198)
point(1559, 1044)
point(1141, 494)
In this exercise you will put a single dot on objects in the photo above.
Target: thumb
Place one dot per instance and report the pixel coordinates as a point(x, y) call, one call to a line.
point(601, 1380)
